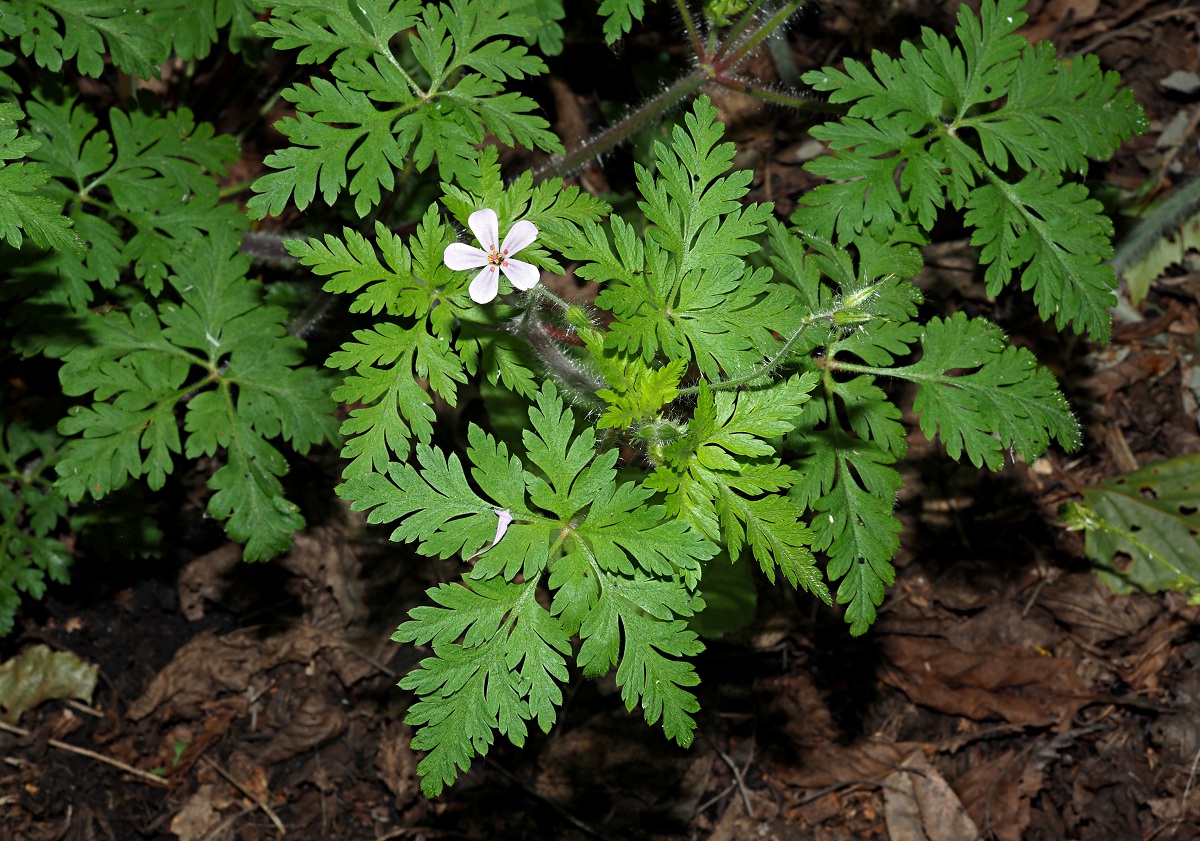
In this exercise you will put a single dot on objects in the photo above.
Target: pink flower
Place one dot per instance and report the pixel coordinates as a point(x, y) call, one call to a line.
point(485, 226)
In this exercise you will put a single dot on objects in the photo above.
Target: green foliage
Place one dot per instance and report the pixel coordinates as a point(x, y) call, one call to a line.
point(21, 209)
point(84, 31)
point(724, 477)
point(684, 290)
point(742, 370)
point(190, 28)
point(997, 400)
point(143, 197)
point(982, 397)
point(432, 95)
point(30, 516)
point(1151, 516)
point(136, 36)
point(139, 198)
point(621, 573)
point(990, 126)
point(225, 360)
point(38, 674)
point(548, 33)
point(620, 16)
point(427, 302)
point(744, 432)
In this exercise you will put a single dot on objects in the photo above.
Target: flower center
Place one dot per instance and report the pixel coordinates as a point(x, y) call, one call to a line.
point(495, 258)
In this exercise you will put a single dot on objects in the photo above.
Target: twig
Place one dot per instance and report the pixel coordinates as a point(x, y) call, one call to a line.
point(717, 797)
point(830, 789)
point(565, 814)
point(220, 828)
point(90, 754)
point(262, 804)
point(738, 778)
point(412, 830)
point(84, 708)
point(1183, 805)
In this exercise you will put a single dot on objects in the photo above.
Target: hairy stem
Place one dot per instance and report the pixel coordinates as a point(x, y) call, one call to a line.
point(736, 30)
point(568, 374)
point(784, 98)
point(690, 25)
point(771, 364)
point(622, 131)
point(741, 49)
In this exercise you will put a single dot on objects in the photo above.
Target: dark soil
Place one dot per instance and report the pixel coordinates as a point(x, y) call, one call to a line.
point(1004, 692)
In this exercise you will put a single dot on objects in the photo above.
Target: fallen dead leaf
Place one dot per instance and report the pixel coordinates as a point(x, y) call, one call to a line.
point(396, 763)
point(1094, 613)
point(834, 765)
point(919, 805)
point(326, 560)
point(204, 578)
point(201, 813)
point(305, 716)
point(998, 793)
point(208, 664)
point(38, 674)
point(1019, 688)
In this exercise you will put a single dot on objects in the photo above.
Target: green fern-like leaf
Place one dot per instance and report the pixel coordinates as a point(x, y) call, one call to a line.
point(621, 572)
point(30, 513)
point(434, 97)
point(725, 479)
point(683, 290)
point(998, 399)
point(84, 31)
point(989, 125)
point(22, 211)
point(222, 358)
point(158, 172)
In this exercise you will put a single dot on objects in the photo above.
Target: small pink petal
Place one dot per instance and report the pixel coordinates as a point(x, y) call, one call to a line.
point(518, 237)
point(485, 226)
point(458, 257)
point(522, 274)
point(485, 286)
point(506, 519)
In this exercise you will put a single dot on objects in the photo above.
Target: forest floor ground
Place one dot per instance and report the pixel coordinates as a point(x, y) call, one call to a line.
point(1004, 693)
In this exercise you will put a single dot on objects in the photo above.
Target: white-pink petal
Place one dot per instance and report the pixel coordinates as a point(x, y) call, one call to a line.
point(486, 228)
point(484, 287)
point(458, 257)
point(519, 236)
point(504, 520)
point(522, 274)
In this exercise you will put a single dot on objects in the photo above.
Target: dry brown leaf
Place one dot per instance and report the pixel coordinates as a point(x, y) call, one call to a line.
point(734, 823)
point(1093, 612)
point(308, 718)
point(833, 765)
point(204, 578)
point(396, 762)
point(1151, 650)
point(201, 813)
point(207, 665)
point(919, 805)
point(326, 560)
point(1022, 689)
point(998, 793)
